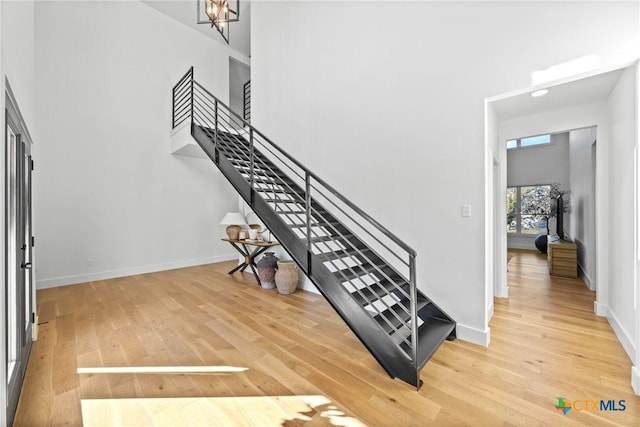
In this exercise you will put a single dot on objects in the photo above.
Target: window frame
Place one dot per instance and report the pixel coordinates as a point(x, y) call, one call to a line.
point(519, 145)
point(518, 210)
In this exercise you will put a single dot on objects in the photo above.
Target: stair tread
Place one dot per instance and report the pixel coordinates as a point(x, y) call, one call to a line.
point(329, 238)
point(348, 252)
point(240, 152)
point(399, 314)
point(279, 190)
point(268, 199)
point(300, 212)
point(263, 174)
point(376, 290)
point(316, 224)
point(270, 181)
point(430, 335)
point(382, 272)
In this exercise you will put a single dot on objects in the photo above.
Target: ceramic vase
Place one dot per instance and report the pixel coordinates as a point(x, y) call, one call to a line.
point(286, 277)
point(267, 270)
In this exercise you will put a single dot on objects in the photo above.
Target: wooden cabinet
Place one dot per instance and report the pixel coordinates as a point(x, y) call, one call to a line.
point(561, 257)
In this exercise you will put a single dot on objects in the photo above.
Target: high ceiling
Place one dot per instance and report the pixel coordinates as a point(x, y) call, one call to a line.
point(185, 12)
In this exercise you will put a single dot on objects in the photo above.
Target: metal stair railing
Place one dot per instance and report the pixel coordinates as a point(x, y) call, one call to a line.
point(285, 184)
point(246, 101)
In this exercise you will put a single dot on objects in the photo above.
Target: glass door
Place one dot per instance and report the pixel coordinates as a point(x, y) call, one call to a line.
point(19, 280)
point(12, 253)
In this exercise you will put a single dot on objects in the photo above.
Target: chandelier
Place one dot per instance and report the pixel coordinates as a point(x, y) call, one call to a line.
point(218, 13)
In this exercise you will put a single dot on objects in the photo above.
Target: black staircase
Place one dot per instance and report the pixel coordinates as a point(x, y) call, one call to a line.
point(363, 270)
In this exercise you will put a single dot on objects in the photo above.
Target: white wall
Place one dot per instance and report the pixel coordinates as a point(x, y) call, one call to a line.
point(18, 55)
point(623, 115)
point(582, 215)
point(543, 164)
point(107, 191)
point(239, 74)
point(389, 107)
point(17, 66)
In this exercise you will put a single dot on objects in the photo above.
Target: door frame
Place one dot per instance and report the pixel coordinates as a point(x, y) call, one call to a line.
point(22, 263)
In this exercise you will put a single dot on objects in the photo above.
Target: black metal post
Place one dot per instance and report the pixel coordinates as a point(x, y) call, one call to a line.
point(251, 159)
point(215, 132)
point(191, 84)
point(173, 107)
point(414, 315)
point(307, 202)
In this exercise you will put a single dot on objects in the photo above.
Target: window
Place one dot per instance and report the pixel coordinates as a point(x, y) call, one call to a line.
point(528, 209)
point(528, 141)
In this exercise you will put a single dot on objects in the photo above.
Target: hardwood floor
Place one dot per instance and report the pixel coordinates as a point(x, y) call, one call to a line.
point(304, 365)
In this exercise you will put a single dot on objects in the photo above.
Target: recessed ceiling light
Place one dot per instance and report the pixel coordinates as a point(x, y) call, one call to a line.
point(541, 92)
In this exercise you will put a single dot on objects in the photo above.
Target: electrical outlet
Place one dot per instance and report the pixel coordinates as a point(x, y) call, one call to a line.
point(89, 263)
point(466, 210)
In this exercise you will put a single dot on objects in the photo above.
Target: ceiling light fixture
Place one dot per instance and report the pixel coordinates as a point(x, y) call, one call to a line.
point(538, 93)
point(218, 13)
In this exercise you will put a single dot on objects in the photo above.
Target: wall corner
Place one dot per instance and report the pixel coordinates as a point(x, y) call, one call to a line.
point(635, 379)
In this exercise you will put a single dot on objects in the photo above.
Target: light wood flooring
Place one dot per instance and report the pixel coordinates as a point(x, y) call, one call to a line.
point(304, 365)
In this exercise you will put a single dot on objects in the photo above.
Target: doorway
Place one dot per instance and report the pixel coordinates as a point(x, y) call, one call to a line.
point(564, 164)
point(18, 251)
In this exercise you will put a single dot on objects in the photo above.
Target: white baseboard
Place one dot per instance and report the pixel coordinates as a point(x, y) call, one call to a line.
point(308, 285)
point(623, 336)
point(586, 278)
point(600, 309)
point(473, 335)
point(490, 311)
point(503, 292)
point(528, 245)
point(635, 379)
point(112, 274)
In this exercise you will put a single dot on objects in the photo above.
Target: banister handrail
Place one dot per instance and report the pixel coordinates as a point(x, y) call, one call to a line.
point(381, 228)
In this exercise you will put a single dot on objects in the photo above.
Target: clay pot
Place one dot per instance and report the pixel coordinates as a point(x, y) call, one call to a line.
point(267, 270)
point(286, 277)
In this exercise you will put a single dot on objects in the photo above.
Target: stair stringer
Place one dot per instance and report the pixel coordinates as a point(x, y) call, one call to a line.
point(367, 330)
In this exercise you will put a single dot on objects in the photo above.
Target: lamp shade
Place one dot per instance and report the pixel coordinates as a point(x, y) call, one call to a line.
point(233, 218)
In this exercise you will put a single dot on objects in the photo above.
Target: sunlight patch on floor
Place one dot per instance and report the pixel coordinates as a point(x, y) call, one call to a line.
point(266, 411)
point(162, 370)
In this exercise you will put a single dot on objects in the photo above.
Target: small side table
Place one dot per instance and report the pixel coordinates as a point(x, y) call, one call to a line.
point(249, 255)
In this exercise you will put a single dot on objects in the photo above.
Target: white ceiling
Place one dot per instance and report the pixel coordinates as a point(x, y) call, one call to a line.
point(185, 12)
point(582, 91)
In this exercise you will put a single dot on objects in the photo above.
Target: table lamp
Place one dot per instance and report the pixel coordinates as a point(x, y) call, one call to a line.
point(234, 221)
